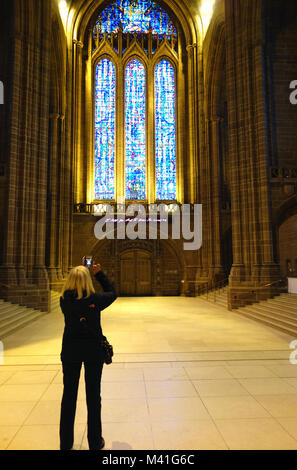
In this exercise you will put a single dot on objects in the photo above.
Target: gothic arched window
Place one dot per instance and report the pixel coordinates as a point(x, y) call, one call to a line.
point(135, 131)
point(165, 130)
point(134, 49)
point(105, 130)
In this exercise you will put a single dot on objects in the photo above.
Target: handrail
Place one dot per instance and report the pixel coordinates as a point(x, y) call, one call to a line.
point(216, 286)
point(274, 282)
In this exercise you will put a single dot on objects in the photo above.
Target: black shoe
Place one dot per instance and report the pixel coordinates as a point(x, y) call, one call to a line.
point(102, 444)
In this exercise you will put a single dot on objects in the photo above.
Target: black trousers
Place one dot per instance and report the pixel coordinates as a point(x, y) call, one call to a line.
point(71, 374)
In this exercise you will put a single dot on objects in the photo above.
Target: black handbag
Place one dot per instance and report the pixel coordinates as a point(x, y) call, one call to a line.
point(106, 347)
point(107, 350)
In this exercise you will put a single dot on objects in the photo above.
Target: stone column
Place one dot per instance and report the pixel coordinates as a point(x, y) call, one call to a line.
point(23, 272)
point(216, 262)
point(253, 259)
point(53, 219)
point(192, 175)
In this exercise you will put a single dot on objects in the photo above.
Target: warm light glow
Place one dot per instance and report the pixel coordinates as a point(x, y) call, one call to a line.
point(63, 7)
point(206, 11)
point(100, 209)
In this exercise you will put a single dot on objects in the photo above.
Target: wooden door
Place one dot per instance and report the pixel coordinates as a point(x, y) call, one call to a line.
point(135, 272)
point(143, 284)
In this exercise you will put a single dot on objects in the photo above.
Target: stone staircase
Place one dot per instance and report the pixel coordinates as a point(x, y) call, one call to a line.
point(14, 317)
point(279, 312)
point(217, 296)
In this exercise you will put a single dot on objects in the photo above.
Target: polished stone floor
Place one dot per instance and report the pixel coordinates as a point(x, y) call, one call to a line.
point(186, 375)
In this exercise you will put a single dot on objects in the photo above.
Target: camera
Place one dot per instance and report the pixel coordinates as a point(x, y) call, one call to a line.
point(87, 261)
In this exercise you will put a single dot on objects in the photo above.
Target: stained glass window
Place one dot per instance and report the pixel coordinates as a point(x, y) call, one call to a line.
point(135, 135)
point(140, 16)
point(137, 16)
point(105, 130)
point(165, 131)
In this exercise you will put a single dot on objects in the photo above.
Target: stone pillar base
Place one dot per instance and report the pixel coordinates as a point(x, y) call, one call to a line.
point(56, 286)
point(40, 277)
point(240, 296)
point(262, 283)
point(52, 273)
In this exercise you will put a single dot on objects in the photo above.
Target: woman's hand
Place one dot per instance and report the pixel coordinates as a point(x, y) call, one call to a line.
point(96, 268)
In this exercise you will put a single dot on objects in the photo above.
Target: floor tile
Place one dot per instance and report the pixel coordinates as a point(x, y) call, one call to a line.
point(32, 377)
point(255, 434)
point(124, 410)
point(267, 385)
point(15, 415)
point(279, 406)
point(234, 407)
point(241, 372)
point(289, 370)
point(5, 375)
point(170, 373)
point(290, 425)
point(43, 437)
point(25, 392)
point(121, 390)
point(48, 412)
point(144, 365)
point(291, 381)
point(208, 372)
point(177, 408)
point(187, 435)
point(170, 388)
point(6, 435)
point(121, 375)
point(125, 436)
point(54, 392)
point(217, 388)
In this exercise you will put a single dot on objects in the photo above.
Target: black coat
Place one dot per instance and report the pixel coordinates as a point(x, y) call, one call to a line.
point(83, 332)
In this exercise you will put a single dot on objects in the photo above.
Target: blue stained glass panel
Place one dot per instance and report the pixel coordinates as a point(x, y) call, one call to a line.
point(105, 86)
point(135, 123)
point(138, 18)
point(165, 131)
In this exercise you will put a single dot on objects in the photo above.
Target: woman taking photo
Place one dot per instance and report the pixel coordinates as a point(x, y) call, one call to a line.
point(81, 343)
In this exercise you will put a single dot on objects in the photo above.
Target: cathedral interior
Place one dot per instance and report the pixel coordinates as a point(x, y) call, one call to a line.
point(139, 102)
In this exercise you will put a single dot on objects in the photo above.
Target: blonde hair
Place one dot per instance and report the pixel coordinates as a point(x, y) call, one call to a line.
point(79, 279)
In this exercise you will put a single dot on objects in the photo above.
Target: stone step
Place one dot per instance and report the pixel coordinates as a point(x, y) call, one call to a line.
point(219, 297)
point(268, 321)
point(7, 307)
point(282, 320)
point(286, 299)
point(14, 316)
point(279, 312)
point(13, 313)
point(18, 323)
point(282, 307)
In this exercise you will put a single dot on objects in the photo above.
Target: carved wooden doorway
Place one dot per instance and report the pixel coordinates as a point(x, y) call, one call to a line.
point(135, 273)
